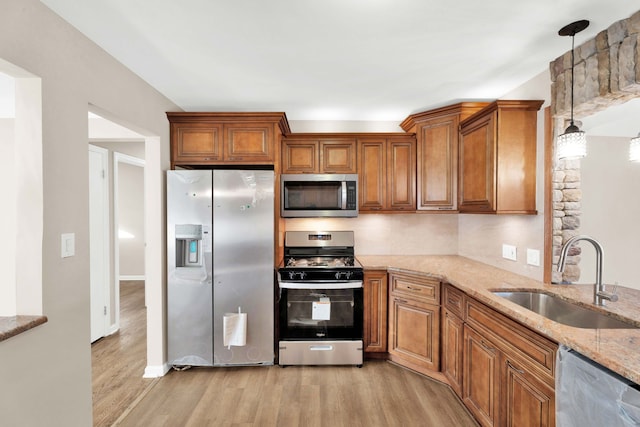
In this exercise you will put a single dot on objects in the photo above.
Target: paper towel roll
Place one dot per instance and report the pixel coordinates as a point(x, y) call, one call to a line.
point(235, 329)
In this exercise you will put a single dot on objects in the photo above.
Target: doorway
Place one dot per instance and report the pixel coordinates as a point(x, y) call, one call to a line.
point(111, 130)
point(118, 360)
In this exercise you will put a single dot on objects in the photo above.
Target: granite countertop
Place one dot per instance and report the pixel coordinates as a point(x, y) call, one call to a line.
point(617, 349)
point(11, 326)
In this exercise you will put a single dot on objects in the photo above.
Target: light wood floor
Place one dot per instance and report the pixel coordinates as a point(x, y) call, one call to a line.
point(118, 360)
point(379, 394)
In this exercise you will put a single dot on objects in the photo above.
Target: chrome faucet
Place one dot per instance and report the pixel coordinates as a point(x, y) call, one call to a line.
point(599, 292)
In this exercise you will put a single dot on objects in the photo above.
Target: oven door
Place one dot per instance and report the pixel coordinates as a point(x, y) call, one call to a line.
point(313, 312)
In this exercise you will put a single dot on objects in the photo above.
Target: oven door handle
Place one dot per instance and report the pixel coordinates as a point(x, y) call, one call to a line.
point(351, 284)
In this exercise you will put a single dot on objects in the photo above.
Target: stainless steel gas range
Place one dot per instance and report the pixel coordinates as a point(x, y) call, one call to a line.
point(320, 300)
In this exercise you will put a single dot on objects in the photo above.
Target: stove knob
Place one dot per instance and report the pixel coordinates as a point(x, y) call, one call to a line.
point(302, 275)
point(292, 275)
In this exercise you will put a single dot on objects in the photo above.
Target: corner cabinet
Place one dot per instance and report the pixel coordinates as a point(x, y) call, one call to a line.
point(437, 154)
point(200, 139)
point(497, 159)
point(319, 153)
point(414, 321)
point(387, 173)
point(375, 313)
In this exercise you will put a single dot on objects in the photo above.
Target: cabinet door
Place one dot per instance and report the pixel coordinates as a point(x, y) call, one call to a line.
point(452, 345)
point(249, 142)
point(480, 390)
point(477, 166)
point(196, 143)
point(375, 311)
point(401, 175)
point(338, 156)
point(527, 401)
point(437, 164)
point(414, 330)
point(300, 156)
point(372, 171)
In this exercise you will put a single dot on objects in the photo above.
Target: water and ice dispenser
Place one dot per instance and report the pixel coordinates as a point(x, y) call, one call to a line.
point(189, 245)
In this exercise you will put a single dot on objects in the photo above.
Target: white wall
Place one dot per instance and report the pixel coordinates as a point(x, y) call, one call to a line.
point(46, 372)
point(131, 219)
point(610, 210)
point(7, 218)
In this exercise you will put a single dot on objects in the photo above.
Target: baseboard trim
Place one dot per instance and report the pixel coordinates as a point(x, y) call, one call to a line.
point(156, 371)
point(133, 277)
point(113, 329)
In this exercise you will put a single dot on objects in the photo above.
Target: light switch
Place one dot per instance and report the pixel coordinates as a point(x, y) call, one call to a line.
point(67, 245)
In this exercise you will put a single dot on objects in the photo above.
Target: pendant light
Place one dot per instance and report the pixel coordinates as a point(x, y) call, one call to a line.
point(634, 149)
point(572, 144)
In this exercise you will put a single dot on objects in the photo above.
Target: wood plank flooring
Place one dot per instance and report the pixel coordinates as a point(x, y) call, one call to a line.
point(118, 360)
point(379, 394)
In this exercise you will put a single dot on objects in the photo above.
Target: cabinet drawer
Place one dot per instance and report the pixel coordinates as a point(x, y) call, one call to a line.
point(418, 288)
point(528, 344)
point(452, 300)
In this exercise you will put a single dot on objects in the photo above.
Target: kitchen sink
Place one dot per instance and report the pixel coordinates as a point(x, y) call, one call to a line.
point(559, 310)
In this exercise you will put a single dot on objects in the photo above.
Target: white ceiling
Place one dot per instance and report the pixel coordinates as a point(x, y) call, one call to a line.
point(335, 59)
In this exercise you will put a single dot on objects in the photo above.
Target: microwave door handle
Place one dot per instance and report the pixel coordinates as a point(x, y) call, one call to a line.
point(344, 195)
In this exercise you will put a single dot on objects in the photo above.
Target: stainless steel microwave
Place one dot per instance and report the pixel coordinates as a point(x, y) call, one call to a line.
point(318, 195)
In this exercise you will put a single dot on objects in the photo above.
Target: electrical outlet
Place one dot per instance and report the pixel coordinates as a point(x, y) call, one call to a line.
point(509, 252)
point(533, 257)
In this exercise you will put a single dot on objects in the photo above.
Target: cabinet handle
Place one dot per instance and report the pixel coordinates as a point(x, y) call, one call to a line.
point(510, 365)
point(486, 346)
point(401, 300)
point(453, 302)
point(414, 289)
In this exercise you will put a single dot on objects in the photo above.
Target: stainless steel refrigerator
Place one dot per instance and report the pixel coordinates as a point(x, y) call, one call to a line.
point(220, 267)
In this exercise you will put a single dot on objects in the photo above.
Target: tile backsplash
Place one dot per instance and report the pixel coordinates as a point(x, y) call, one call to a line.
point(397, 234)
point(479, 237)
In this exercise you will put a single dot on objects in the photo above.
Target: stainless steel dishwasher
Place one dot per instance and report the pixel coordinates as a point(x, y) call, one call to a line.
point(590, 395)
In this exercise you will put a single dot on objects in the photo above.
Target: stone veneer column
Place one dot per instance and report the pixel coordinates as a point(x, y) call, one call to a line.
point(606, 72)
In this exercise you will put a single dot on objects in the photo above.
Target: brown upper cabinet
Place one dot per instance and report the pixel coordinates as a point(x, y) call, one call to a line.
point(497, 159)
point(215, 138)
point(319, 153)
point(437, 154)
point(387, 173)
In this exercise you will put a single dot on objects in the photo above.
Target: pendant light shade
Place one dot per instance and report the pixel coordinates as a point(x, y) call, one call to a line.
point(572, 144)
point(634, 149)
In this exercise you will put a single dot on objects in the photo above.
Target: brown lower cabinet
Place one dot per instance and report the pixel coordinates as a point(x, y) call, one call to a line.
point(414, 321)
point(505, 372)
point(452, 345)
point(499, 389)
point(375, 312)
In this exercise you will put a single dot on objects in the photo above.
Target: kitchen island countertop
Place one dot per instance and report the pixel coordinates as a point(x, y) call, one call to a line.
point(616, 349)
